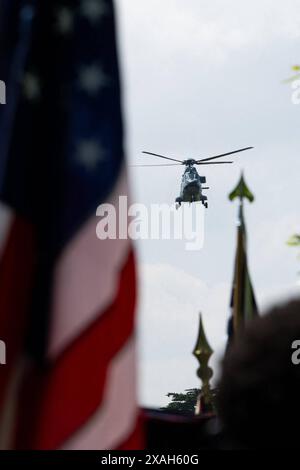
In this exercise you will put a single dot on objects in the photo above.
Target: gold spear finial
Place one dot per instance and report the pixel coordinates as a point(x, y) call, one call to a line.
point(243, 301)
point(203, 352)
point(241, 191)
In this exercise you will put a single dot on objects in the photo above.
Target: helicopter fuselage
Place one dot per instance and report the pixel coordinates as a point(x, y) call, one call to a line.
point(191, 187)
point(192, 183)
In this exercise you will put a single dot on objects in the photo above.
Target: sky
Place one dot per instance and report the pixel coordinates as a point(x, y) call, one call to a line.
point(202, 78)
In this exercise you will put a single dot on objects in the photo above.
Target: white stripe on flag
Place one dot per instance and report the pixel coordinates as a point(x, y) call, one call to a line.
point(86, 279)
point(116, 418)
point(9, 407)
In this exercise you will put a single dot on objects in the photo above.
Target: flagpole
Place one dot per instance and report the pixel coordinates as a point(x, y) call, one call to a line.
point(241, 281)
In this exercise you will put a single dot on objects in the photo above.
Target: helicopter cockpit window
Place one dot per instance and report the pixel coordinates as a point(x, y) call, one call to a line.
point(192, 174)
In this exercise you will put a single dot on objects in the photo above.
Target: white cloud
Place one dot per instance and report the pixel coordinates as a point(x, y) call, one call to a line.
point(207, 29)
point(170, 302)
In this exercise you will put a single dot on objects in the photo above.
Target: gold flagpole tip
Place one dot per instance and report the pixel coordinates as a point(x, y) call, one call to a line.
point(202, 346)
point(241, 191)
point(203, 352)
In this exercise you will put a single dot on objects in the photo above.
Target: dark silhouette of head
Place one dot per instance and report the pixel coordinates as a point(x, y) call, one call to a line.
point(259, 390)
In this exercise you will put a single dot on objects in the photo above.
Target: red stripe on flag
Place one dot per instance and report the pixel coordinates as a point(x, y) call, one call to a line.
point(136, 441)
point(16, 274)
point(57, 401)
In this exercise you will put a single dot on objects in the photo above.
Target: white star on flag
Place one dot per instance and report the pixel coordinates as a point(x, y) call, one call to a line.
point(31, 86)
point(90, 153)
point(93, 10)
point(92, 79)
point(65, 21)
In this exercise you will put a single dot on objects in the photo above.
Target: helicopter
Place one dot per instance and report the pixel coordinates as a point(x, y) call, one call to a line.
point(191, 189)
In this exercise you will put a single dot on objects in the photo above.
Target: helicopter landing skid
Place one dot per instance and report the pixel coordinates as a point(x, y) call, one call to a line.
point(178, 202)
point(204, 201)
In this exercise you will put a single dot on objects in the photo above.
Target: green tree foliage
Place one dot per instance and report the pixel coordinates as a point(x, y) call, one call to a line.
point(183, 402)
point(295, 68)
point(294, 240)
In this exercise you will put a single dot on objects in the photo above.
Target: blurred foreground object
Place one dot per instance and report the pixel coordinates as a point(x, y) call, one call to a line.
point(67, 299)
point(295, 68)
point(260, 385)
point(294, 240)
point(166, 431)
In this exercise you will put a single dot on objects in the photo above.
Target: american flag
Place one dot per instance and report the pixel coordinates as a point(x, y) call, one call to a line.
point(67, 299)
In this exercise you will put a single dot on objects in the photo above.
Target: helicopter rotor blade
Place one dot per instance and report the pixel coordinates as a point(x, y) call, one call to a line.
point(162, 156)
point(211, 163)
point(223, 154)
point(164, 164)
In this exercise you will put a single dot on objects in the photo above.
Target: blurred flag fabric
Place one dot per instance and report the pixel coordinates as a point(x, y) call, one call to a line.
point(243, 302)
point(67, 299)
